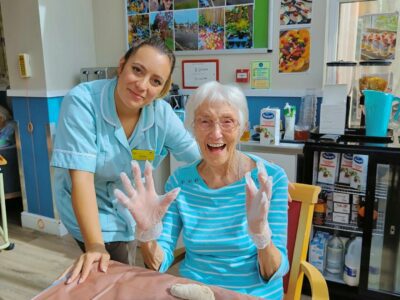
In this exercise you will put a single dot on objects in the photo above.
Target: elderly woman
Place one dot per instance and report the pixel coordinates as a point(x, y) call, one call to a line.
point(232, 214)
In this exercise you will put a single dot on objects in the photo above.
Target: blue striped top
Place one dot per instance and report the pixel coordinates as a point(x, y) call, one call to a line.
point(219, 250)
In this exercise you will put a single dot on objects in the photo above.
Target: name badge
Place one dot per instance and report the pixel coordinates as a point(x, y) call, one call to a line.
point(143, 154)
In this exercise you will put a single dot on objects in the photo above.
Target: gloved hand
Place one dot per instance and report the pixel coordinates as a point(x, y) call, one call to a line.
point(146, 207)
point(257, 207)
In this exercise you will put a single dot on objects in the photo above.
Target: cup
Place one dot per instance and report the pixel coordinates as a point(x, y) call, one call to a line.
point(246, 134)
point(378, 106)
point(301, 133)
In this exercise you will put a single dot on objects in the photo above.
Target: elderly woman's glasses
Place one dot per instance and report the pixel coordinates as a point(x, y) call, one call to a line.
point(226, 124)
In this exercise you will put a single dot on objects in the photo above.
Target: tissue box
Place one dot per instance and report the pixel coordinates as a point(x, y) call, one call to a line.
point(333, 109)
point(270, 126)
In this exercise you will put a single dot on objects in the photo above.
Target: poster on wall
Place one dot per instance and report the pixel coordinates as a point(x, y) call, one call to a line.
point(260, 74)
point(294, 50)
point(378, 36)
point(293, 12)
point(196, 25)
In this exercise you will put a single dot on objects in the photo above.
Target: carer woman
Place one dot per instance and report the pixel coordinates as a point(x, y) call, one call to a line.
point(103, 125)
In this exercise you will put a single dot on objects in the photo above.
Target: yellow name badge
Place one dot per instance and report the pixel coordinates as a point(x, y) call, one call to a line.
point(143, 154)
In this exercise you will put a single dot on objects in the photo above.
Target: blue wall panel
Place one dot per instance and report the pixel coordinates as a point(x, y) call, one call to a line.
point(40, 119)
point(54, 106)
point(34, 149)
point(21, 116)
point(257, 103)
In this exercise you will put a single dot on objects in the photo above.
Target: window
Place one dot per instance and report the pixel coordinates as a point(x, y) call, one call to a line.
point(359, 21)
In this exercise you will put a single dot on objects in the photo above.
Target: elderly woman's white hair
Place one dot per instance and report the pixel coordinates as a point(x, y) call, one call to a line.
point(214, 91)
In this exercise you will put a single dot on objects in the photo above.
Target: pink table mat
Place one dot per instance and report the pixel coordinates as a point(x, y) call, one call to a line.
point(126, 282)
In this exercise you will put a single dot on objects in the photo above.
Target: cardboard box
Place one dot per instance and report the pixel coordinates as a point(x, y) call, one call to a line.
point(340, 218)
point(270, 120)
point(345, 170)
point(353, 217)
point(341, 207)
point(327, 168)
point(341, 197)
point(356, 199)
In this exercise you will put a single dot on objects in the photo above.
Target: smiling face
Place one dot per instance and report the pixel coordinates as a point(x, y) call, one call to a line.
point(141, 78)
point(217, 131)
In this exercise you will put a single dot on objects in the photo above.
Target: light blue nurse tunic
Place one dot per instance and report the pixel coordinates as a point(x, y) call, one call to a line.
point(90, 137)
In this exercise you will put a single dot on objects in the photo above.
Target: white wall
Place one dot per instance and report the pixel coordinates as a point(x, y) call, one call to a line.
point(110, 33)
point(22, 34)
point(68, 40)
point(63, 36)
point(57, 34)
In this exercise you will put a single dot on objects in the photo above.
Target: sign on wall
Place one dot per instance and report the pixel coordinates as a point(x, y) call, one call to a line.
point(196, 25)
point(199, 71)
point(378, 36)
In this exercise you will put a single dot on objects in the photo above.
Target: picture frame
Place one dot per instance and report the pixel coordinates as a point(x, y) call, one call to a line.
point(199, 71)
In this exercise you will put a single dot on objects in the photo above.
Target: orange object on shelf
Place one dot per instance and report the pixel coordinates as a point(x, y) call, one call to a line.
point(3, 161)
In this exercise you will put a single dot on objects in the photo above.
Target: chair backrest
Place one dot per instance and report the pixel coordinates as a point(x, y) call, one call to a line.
point(300, 215)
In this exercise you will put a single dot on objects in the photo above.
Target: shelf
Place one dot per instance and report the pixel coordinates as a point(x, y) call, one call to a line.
point(341, 188)
point(340, 227)
point(349, 228)
point(334, 277)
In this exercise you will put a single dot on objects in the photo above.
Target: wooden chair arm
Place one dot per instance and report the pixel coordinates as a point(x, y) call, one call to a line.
point(179, 255)
point(319, 288)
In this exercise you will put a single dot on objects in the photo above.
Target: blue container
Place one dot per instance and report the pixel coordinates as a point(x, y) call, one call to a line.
point(378, 106)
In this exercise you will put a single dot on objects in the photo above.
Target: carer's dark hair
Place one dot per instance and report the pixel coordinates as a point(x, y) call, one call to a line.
point(157, 43)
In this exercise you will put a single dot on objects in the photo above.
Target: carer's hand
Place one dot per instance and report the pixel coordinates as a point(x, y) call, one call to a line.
point(81, 268)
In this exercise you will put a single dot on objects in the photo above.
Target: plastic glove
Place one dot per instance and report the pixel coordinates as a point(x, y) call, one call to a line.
point(146, 207)
point(257, 207)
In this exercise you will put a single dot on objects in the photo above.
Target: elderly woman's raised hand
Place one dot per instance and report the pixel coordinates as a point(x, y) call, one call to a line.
point(146, 207)
point(257, 207)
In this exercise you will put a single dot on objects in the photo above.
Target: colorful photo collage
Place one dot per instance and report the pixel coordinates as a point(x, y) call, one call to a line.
point(295, 44)
point(192, 24)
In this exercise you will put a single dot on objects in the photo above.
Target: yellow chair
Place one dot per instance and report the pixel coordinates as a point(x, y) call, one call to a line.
point(300, 215)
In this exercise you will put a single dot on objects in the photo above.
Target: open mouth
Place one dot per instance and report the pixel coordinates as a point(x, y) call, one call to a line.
point(216, 147)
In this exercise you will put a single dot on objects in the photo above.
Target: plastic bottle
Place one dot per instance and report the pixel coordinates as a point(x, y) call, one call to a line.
point(334, 255)
point(290, 116)
point(351, 273)
point(308, 109)
point(375, 262)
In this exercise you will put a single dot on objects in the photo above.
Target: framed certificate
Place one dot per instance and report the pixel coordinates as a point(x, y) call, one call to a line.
point(197, 72)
